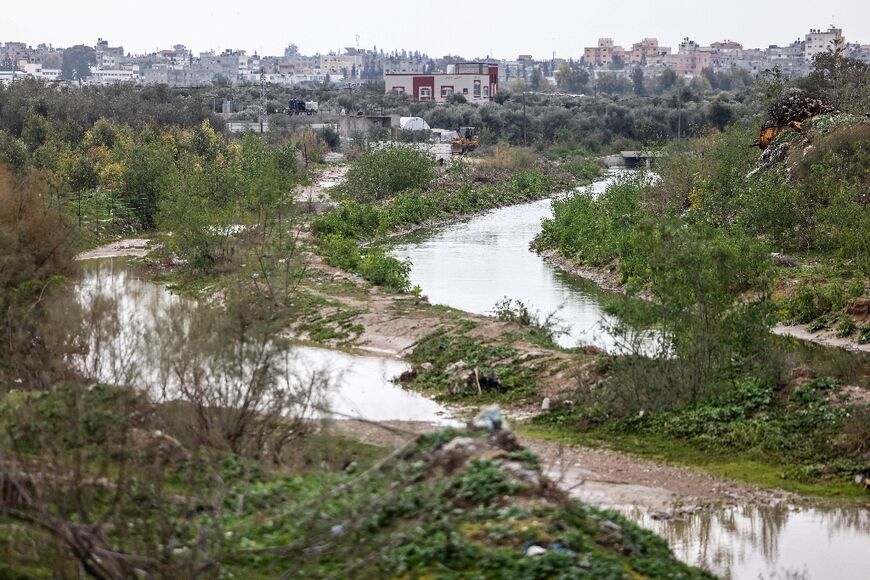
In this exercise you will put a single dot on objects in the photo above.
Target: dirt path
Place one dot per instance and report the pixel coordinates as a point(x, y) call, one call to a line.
point(135, 247)
point(599, 476)
point(317, 193)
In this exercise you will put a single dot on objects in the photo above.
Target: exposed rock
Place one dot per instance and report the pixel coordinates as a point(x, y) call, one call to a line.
point(784, 260)
point(457, 366)
point(545, 404)
point(526, 476)
point(160, 445)
point(859, 309)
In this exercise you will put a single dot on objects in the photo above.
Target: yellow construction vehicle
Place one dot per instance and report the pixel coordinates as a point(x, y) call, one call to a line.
point(768, 134)
point(467, 140)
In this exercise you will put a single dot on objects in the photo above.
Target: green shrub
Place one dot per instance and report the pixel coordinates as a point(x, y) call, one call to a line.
point(384, 270)
point(813, 300)
point(384, 172)
point(583, 169)
point(590, 228)
point(350, 219)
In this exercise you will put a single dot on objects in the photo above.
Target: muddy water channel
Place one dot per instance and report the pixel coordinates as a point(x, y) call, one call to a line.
point(733, 542)
point(361, 386)
point(474, 264)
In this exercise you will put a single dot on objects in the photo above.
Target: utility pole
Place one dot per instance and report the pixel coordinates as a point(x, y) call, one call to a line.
point(680, 113)
point(262, 99)
point(525, 143)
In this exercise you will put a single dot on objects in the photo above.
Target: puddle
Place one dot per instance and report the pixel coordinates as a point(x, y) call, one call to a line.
point(781, 542)
point(362, 386)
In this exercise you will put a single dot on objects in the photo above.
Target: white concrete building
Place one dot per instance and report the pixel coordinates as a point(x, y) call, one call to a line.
point(44, 74)
point(818, 42)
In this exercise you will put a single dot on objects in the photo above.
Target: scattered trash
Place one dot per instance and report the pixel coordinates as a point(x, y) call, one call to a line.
point(490, 418)
point(535, 550)
point(545, 404)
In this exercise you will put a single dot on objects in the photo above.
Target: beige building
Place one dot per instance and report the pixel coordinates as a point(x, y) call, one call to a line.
point(818, 42)
point(602, 55)
point(349, 65)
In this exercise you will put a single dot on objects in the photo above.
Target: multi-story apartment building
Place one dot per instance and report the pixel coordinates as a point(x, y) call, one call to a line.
point(818, 42)
point(109, 57)
point(348, 65)
point(476, 81)
point(225, 65)
point(602, 55)
point(646, 52)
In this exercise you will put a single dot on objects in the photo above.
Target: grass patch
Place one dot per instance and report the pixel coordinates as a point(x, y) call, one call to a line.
point(725, 464)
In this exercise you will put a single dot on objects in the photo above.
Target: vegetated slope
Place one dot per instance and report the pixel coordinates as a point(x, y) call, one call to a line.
point(461, 504)
point(124, 498)
point(724, 245)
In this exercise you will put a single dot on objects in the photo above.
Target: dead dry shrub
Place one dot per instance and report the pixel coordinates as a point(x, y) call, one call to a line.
point(235, 378)
point(35, 257)
point(505, 158)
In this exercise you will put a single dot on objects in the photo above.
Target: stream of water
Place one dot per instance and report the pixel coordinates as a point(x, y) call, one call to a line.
point(474, 264)
point(781, 542)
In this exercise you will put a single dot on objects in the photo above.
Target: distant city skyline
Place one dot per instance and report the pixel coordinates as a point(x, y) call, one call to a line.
point(475, 30)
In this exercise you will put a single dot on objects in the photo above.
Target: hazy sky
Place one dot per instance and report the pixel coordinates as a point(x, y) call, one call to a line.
point(503, 29)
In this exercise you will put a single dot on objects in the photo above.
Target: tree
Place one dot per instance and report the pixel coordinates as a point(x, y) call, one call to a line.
point(537, 79)
point(77, 61)
point(843, 81)
point(720, 114)
point(572, 78)
point(667, 80)
point(637, 80)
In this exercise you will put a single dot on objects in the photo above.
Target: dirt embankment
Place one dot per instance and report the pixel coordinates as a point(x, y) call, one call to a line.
point(599, 476)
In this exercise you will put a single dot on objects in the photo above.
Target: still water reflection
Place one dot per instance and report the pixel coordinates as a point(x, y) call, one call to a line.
point(362, 386)
point(769, 541)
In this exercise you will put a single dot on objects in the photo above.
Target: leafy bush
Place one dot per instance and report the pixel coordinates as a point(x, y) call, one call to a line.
point(384, 172)
point(590, 228)
point(812, 300)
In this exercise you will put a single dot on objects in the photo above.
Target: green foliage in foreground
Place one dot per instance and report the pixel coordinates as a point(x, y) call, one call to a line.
point(499, 379)
point(325, 514)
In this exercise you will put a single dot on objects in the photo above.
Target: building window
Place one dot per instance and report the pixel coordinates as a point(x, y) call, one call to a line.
point(476, 89)
point(399, 90)
point(425, 93)
point(446, 91)
point(486, 92)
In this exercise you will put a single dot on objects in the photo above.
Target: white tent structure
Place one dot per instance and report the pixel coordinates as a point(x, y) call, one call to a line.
point(413, 124)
